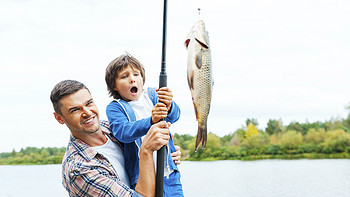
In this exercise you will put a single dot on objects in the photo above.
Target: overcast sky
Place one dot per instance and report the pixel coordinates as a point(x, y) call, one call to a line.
point(271, 59)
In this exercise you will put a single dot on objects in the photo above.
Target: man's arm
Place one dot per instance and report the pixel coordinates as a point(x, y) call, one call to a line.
point(95, 182)
point(157, 136)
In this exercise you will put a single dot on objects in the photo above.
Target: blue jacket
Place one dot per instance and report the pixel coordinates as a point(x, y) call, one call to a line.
point(125, 128)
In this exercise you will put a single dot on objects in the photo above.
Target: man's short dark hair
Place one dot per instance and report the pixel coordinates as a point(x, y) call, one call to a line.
point(62, 89)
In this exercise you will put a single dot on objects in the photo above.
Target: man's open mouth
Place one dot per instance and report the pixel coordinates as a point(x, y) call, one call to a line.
point(89, 120)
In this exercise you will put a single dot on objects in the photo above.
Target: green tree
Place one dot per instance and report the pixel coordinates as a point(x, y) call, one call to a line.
point(296, 126)
point(238, 137)
point(315, 136)
point(274, 126)
point(253, 121)
point(291, 139)
point(257, 141)
point(336, 141)
point(225, 140)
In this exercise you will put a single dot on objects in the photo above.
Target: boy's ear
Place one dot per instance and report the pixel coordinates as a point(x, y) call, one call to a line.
point(58, 118)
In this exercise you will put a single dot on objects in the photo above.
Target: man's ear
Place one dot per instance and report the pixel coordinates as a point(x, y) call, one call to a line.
point(58, 118)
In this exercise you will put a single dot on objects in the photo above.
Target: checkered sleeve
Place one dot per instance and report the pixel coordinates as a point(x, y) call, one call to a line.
point(97, 182)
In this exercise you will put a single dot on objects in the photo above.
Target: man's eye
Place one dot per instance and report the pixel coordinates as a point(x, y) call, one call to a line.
point(73, 110)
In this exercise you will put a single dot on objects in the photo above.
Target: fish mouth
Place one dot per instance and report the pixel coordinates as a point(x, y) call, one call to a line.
point(134, 90)
point(202, 44)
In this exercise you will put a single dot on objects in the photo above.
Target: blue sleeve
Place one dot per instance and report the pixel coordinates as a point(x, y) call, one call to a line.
point(174, 114)
point(122, 129)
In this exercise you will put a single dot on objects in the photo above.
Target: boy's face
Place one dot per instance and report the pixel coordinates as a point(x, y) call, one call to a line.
point(129, 84)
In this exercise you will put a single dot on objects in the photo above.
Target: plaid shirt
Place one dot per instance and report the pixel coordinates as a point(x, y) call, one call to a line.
point(88, 173)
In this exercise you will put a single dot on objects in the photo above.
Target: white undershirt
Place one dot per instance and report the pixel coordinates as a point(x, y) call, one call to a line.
point(143, 106)
point(114, 154)
point(143, 109)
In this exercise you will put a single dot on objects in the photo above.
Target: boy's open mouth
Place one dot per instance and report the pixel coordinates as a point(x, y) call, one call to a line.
point(133, 90)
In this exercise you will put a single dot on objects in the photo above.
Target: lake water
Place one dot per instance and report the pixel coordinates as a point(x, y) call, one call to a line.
point(270, 178)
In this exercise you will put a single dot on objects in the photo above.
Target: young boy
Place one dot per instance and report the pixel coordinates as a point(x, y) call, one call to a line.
point(134, 110)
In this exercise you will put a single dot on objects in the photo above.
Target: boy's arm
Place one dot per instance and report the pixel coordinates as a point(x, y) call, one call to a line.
point(122, 129)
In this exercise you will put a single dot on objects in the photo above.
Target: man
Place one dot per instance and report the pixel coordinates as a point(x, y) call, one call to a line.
point(93, 164)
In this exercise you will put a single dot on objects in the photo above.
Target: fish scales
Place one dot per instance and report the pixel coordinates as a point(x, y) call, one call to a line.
point(199, 76)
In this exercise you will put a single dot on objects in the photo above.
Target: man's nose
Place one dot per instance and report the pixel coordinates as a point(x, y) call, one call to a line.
point(87, 111)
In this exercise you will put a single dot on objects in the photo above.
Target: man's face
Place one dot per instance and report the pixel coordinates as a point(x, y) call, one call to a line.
point(79, 113)
point(129, 83)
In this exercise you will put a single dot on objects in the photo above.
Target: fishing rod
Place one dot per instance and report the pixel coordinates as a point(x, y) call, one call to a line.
point(162, 83)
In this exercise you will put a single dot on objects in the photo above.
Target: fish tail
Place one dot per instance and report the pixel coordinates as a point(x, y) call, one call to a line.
point(201, 136)
point(204, 136)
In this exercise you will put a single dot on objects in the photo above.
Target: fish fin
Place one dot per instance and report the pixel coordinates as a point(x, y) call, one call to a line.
point(195, 109)
point(202, 43)
point(204, 136)
point(187, 42)
point(201, 137)
point(199, 59)
point(190, 80)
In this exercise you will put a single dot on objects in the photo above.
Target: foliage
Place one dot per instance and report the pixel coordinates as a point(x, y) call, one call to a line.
point(313, 140)
point(291, 139)
point(31, 155)
point(274, 126)
point(251, 131)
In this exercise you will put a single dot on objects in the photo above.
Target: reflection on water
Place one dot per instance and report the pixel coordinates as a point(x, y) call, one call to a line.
point(270, 178)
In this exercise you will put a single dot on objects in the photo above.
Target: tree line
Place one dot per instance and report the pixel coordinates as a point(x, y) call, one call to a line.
point(313, 140)
point(32, 155)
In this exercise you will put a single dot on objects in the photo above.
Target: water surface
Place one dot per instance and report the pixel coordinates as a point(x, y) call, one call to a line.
point(270, 178)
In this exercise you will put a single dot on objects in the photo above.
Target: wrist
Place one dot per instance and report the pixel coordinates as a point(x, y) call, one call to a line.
point(145, 152)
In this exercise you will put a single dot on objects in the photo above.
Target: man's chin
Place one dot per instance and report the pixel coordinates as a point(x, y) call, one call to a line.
point(93, 129)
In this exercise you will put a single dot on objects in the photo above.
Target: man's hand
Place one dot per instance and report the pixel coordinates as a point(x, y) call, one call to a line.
point(156, 137)
point(159, 112)
point(176, 156)
point(165, 96)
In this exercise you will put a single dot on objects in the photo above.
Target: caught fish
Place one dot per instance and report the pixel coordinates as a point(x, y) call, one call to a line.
point(199, 77)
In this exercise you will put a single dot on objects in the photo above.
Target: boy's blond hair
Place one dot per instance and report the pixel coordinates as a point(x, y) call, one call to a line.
point(114, 68)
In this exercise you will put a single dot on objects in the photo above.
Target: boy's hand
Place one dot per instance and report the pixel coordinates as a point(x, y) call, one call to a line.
point(165, 95)
point(159, 112)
